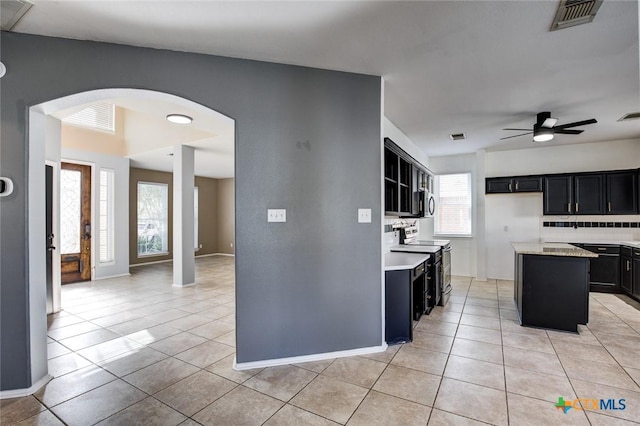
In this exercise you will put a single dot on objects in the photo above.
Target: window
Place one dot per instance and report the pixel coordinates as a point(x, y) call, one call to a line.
point(453, 213)
point(70, 210)
point(153, 213)
point(99, 116)
point(106, 213)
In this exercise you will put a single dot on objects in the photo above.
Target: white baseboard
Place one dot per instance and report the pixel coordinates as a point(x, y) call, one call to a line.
point(112, 276)
point(217, 254)
point(183, 285)
point(171, 260)
point(307, 358)
point(18, 393)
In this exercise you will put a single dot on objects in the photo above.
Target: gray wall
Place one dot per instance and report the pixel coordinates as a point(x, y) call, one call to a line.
point(308, 140)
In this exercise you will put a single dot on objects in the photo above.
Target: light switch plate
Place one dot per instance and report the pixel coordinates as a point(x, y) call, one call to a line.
point(364, 215)
point(276, 215)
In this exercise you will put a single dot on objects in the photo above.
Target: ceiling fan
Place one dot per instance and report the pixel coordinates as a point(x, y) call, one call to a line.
point(545, 127)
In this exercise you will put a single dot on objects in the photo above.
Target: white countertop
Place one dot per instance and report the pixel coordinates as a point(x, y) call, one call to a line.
point(397, 261)
point(415, 248)
point(551, 249)
point(634, 244)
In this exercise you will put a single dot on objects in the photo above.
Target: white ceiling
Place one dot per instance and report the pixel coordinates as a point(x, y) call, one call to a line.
point(449, 66)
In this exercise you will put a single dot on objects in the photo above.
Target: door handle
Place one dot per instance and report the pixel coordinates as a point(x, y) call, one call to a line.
point(576, 207)
point(51, 248)
point(609, 206)
point(569, 207)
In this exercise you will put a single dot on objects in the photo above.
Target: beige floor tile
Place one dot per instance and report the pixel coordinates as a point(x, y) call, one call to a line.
point(168, 315)
point(528, 342)
point(452, 306)
point(445, 316)
point(597, 419)
point(624, 350)
point(149, 411)
point(593, 390)
point(160, 375)
point(117, 318)
point(98, 404)
point(509, 326)
point(436, 327)
point(479, 334)
point(212, 329)
point(474, 371)
point(241, 406)
point(359, 371)
point(583, 351)
point(409, 384)
point(534, 412)
point(294, 416)
point(177, 343)
point(188, 322)
point(538, 385)
point(477, 350)
point(634, 373)
point(66, 364)
point(481, 310)
point(218, 312)
point(282, 382)
point(55, 349)
point(420, 359)
point(585, 336)
point(73, 384)
point(330, 398)
point(153, 334)
point(385, 356)
point(224, 368)
point(14, 410)
point(443, 418)
point(468, 400)
point(205, 354)
point(378, 408)
point(533, 361)
point(482, 302)
point(109, 349)
point(72, 330)
point(192, 394)
point(228, 339)
point(595, 372)
point(432, 342)
point(64, 320)
point(509, 314)
point(133, 326)
point(43, 418)
point(480, 321)
point(129, 362)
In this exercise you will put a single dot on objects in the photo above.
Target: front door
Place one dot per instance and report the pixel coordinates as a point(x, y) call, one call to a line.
point(75, 222)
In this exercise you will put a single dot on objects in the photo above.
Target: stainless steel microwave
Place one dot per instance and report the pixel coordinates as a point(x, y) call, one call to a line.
point(424, 204)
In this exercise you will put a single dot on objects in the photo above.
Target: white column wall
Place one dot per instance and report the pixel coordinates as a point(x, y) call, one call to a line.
point(183, 216)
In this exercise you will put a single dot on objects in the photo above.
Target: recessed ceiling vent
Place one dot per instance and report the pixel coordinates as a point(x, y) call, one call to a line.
point(11, 11)
point(457, 136)
point(630, 116)
point(575, 12)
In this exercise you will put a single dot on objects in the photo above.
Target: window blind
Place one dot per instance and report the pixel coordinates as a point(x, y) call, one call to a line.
point(99, 116)
point(453, 213)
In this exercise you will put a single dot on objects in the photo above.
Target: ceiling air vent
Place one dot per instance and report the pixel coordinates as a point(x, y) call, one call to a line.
point(575, 12)
point(630, 116)
point(457, 136)
point(11, 11)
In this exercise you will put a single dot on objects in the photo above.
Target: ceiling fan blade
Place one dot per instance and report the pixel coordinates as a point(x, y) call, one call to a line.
point(524, 130)
point(567, 131)
point(515, 136)
point(549, 122)
point(576, 124)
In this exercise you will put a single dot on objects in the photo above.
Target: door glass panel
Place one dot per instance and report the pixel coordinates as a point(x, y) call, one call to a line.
point(70, 201)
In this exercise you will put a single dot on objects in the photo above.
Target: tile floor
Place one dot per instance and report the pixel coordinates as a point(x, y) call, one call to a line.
point(134, 350)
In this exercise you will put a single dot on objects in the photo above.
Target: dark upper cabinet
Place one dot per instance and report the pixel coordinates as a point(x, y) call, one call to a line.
point(391, 194)
point(622, 193)
point(505, 185)
point(498, 185)
point(403, 176)
point(588, 194)
point(558, 195)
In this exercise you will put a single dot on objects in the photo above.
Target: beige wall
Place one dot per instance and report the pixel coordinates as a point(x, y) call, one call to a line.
point(75, 137)
point(215, 214)
point(226, 216)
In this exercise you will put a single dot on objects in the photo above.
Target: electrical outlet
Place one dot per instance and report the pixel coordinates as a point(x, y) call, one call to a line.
point(276, 215)
point(231, 245)
point(364, 215)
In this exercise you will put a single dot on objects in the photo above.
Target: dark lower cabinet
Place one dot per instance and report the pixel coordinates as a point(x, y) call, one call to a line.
point(605, 269)
point(398, 307)
point(552, 291)
point(626, 270)
point(636, 275)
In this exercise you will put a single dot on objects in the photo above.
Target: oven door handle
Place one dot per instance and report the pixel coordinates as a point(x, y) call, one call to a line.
point(448, 250)
point(449, 290)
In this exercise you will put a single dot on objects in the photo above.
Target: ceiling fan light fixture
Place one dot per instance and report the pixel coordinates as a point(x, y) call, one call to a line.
point(543, 135)
point(179, 118)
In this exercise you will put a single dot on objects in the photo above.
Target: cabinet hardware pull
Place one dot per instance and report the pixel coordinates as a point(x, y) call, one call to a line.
point(516, 186)
point(628, 265)
point(602, 248)
point(569, 207)
point(576, 207)
point(509, 187)
point(609, 205)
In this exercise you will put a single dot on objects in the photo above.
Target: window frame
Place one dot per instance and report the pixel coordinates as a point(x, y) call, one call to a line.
point(437, 232)
point(109, 217)
point(164, 252)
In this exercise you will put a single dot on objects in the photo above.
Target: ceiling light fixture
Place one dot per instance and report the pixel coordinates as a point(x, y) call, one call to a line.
point(542, 134)
point(179, 118)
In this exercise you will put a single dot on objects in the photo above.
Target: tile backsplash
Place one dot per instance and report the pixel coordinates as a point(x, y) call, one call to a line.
point(590, 228)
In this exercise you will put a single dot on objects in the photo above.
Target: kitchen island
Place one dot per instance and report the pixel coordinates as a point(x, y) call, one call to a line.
point(551, 285)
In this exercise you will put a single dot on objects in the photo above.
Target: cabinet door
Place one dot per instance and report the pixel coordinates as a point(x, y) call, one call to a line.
point(622, 193)
point(636, 276)
point(527, 184)
point(498, 185)
point(404, 185)
point(391, 193)
point(626, 273)
point(558, 195)
point(588, 195)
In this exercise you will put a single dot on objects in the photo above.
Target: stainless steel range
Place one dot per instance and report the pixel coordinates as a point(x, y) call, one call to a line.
point(442, 263)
